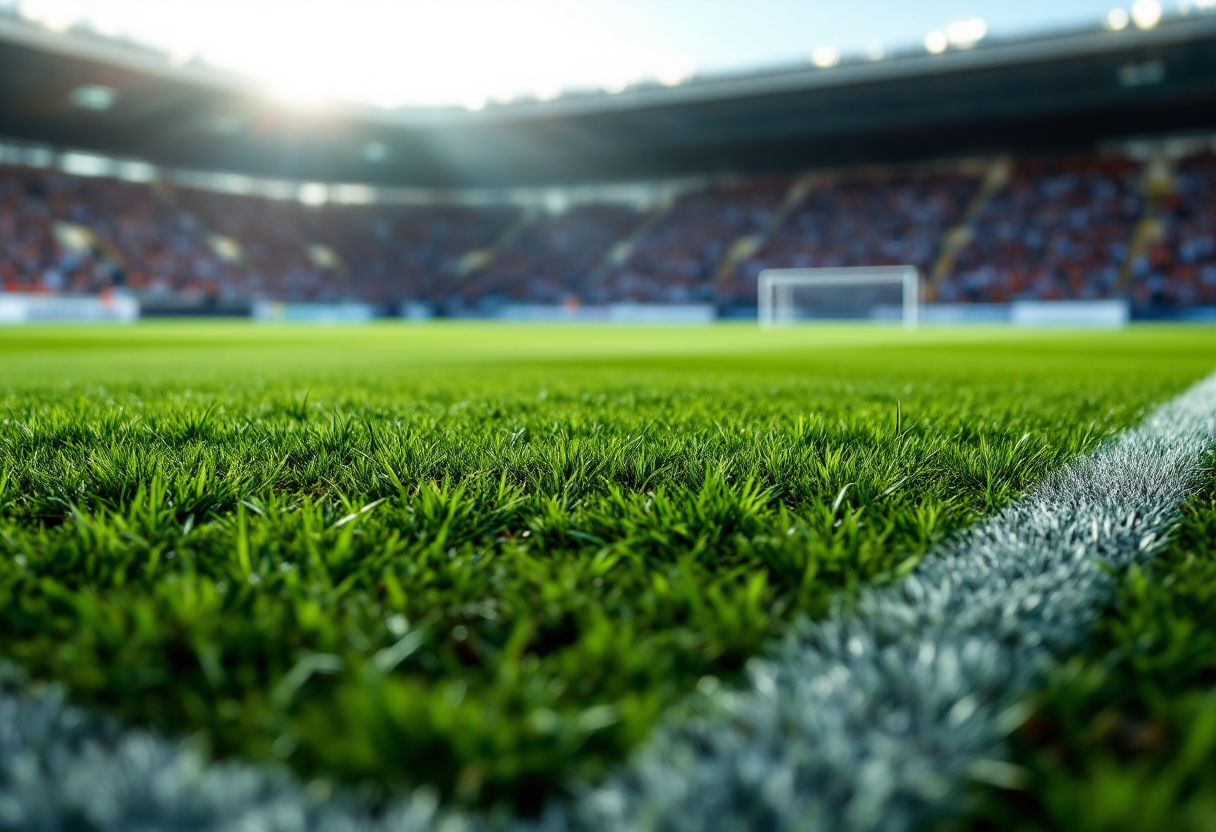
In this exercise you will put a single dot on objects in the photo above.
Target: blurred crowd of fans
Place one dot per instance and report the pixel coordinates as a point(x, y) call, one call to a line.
point(676, 258)
point(863, 220)
point(1059, 228)
point(1179, 269)
point(32, 255)
point(395, 252)
point(550, 259)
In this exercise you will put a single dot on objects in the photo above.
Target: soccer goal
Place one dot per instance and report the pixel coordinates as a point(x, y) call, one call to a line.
point(874, 293)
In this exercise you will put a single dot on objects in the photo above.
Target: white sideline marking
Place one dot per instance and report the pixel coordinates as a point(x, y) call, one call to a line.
point(869, 720)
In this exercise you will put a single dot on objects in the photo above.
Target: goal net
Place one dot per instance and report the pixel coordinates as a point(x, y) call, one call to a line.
point(874, 293)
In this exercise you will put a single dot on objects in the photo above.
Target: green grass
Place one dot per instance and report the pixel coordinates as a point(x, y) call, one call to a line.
point(1124, 738)
point(487, 558)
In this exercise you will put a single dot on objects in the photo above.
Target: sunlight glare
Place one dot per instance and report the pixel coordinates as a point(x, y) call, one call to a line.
point(426, 52)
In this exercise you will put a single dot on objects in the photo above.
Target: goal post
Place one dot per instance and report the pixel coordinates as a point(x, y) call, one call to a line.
point(776, 288)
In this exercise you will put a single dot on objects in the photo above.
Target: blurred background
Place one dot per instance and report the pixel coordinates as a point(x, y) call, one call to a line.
point(626, 160)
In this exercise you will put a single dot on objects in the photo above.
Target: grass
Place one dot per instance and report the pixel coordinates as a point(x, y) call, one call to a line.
point(488, 558)
point(1124, 737)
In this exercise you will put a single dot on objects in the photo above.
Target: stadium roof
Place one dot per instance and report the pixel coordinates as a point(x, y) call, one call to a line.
point(79, 90)
point(475, 52)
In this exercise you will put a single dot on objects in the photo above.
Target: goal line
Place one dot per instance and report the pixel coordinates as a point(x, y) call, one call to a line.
point(775, 289)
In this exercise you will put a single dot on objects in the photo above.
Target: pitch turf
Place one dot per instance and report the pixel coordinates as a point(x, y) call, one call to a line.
point(488, 557)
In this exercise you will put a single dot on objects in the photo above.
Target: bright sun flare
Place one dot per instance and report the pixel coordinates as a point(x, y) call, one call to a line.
point(390, 54)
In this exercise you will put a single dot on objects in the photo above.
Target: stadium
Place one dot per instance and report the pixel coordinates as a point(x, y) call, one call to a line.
point(631, 415)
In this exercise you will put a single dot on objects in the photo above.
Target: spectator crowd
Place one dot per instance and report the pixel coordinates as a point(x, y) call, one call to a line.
point(142, 240)
point(1179, 268)
point(32, 256)
point(406, 251)
point(677, 260)
point(878, 219)
point(550, 258)
point(1056, 228)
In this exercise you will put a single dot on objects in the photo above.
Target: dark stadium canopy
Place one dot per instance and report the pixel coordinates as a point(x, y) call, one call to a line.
point(85, 92)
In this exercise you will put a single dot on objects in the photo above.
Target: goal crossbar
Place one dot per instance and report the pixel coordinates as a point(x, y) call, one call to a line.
point(775, 287)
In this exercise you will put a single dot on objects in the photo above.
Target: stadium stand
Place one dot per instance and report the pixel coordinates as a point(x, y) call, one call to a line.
point(32, 258)
point(679, 257)
point(868, 219)
point(551, 258)
point(1052, 228)
point(158, 248)
point(403, 252)
point(1059, 229)
point(272, 244)
point(1081, 227)
point(1179, 270)
point(121, 233)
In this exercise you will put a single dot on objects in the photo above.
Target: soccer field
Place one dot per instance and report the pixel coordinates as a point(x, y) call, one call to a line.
point(491, 559)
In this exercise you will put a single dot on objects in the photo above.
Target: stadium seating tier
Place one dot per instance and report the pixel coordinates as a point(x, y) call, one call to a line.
point(1057, 228)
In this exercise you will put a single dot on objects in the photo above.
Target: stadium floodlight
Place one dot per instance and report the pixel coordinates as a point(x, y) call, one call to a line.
point(936, 42)
point(314, 193)
point(1117, 19)
point(1146, 13)
point(825, 57)
point(966, 33)
point(674, 72)
point(777, 293)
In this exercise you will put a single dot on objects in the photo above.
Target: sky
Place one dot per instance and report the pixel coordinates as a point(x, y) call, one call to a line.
point(470, 52)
